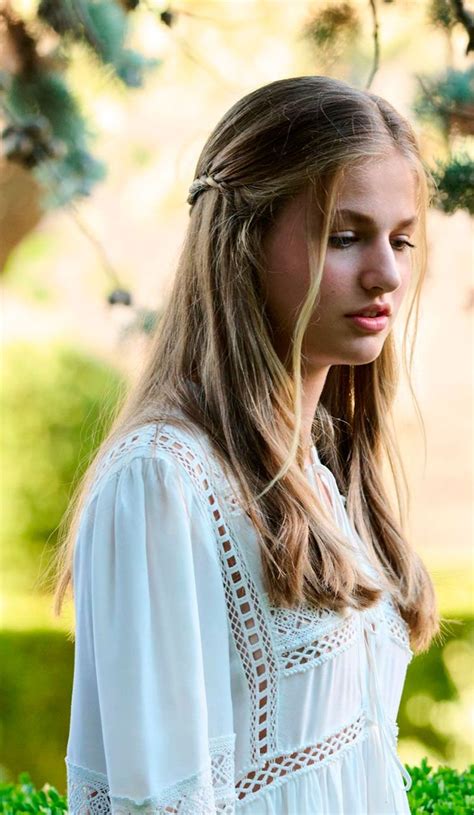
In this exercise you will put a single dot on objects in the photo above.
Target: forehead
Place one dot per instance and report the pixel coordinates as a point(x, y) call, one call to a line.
point(389, 183)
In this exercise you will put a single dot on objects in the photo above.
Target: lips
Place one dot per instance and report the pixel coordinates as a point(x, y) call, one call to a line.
point(371, 311)
point(370, 324)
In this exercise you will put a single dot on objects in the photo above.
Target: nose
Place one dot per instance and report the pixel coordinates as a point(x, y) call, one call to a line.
point(382, 266)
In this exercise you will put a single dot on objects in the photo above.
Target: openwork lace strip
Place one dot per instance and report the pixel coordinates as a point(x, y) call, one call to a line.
point(222, 752)
point(227, 489)
point(144, 440)
point(320, 650)
point(278, 769)
point(298, 627)
point(386, 617)
point(397, 628)
point(247, 617)
point(248, 620)
point(210, 792)
point(308, 637)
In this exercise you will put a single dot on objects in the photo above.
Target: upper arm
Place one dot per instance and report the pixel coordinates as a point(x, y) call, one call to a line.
point(151, 637)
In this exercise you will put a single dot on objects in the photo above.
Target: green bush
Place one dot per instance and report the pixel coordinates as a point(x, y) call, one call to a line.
point(54, 402)
point(16, 799)
point(440, 792)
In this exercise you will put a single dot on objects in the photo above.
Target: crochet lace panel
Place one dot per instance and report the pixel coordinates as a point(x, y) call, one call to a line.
point(215, 791)
point(318, 645)
point(278, 768)
point(396, 627)
point(247, 617)
point(210, 792)
point(145, 441)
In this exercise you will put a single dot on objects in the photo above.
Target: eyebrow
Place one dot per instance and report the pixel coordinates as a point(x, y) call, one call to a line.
point(361, 217)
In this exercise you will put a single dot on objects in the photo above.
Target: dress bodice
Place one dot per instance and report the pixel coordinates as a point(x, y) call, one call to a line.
point(192, 693)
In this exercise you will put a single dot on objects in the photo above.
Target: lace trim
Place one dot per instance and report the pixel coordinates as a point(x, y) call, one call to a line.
point(248, 620)
point(209, 792)
point(296, 627)
point(397, 628)
point(87, 791)
point(385, 616)
point(320, 650)
point(250, 630)
point(227, 488)
point(277, 770)
point(144, 439)
point(307, 637)
point(399, 632)
point(139, 441)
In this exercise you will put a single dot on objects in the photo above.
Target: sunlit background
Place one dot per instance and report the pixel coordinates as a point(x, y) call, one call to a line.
point(66, 350)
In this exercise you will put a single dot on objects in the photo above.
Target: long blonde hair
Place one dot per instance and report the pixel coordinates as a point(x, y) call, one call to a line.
point(212, 358)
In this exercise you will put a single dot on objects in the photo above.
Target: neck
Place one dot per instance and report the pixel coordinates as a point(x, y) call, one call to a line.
point(312, 387)
point(313, 380)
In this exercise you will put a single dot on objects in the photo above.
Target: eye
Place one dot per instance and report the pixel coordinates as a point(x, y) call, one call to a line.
point(344, 241)
point(341, 241)
point(404, 245)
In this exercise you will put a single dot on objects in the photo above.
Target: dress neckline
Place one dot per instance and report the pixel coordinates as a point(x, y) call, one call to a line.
point(314, 458)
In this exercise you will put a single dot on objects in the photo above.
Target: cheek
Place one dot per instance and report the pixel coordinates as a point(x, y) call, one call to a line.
point(335, 286)
point(405, 280)
point(292, 265)
point(285, 291)
point(287, 278)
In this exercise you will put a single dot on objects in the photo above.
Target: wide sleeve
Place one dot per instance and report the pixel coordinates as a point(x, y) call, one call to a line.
point(151, 727)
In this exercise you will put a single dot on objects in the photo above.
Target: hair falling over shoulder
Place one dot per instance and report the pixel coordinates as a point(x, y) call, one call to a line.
point(213, 360)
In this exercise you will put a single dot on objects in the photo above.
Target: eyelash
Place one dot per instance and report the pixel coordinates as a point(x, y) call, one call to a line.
point(335, 242)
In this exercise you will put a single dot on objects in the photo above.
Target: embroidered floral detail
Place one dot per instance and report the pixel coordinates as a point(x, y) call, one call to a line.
point(210, 792)
point(278, 769)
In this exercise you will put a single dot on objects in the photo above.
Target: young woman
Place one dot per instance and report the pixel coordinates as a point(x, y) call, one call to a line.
point(246, 599)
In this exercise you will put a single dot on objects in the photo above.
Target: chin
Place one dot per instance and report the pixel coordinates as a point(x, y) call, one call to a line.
point(363, 353)
point(363, 357)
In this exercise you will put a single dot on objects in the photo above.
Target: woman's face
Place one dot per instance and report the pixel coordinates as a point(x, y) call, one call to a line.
point(367, 262)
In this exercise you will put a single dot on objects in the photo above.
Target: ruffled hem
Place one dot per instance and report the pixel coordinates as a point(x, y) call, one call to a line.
point(351, 785)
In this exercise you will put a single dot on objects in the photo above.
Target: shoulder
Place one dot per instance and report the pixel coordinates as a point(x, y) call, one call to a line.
point(182, 456)
point(183, 453)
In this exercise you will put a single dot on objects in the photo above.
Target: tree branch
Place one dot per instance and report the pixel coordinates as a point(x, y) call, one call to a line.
point(375, 64)
point(466, 18)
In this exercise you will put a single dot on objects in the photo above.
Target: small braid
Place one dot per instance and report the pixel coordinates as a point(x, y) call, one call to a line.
point(203, 183)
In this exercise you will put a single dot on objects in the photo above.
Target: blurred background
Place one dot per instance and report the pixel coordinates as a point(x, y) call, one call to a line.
point(105, 106)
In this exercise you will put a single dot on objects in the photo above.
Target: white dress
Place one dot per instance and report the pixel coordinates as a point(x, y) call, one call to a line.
point(191, 693)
